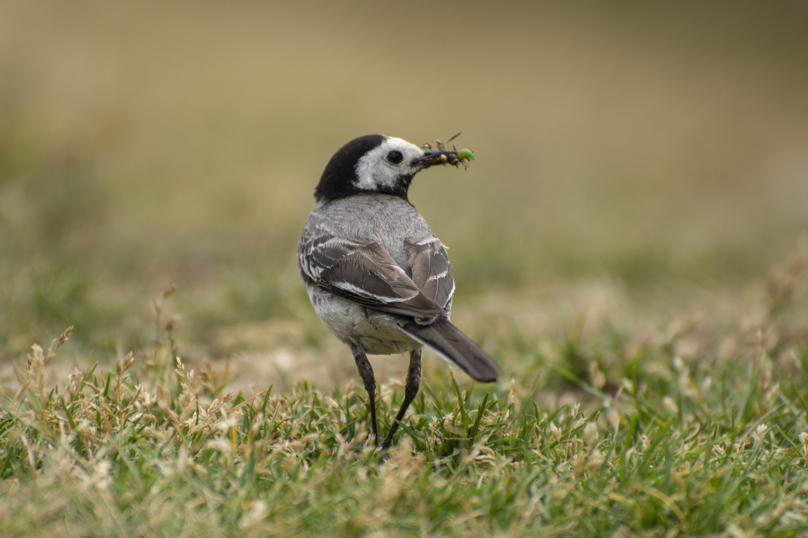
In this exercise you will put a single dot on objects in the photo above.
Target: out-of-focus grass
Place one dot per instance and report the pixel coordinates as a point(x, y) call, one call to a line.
point(659, 149)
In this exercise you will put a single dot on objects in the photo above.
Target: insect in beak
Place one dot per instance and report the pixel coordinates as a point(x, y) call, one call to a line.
point(441, 155)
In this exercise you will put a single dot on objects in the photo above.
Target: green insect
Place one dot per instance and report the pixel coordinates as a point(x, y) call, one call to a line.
point(465, 154)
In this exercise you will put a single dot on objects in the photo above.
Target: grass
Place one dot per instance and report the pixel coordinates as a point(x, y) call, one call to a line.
point(607, 436)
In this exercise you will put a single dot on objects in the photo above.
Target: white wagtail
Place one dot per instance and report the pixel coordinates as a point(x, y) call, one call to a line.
point(377, 276)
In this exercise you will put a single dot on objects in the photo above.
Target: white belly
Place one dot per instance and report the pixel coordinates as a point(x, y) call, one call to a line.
point(375, 332)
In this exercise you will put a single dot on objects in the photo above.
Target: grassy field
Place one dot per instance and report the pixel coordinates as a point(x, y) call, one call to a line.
point(691, 431)
point(629, 245)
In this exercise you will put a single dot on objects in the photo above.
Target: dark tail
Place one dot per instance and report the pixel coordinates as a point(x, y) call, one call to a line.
point(452, 345)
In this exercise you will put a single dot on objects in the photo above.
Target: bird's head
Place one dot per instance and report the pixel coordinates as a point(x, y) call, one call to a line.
point(375, 164)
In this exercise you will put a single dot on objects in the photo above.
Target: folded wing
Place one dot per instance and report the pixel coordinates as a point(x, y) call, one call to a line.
point(367, 274)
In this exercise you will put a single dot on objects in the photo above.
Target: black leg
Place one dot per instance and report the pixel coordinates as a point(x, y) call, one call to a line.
point(366, 372)
point(410, 391)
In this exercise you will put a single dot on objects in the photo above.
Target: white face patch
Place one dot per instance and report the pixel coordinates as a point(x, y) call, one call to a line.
point(375, 169)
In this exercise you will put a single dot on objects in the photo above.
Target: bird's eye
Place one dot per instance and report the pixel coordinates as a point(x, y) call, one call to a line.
point(395, 157)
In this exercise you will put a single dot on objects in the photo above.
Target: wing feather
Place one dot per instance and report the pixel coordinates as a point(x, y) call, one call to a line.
point(364, 273)
point(431, 270)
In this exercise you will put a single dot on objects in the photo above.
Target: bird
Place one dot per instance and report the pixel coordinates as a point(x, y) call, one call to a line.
point(377, 276)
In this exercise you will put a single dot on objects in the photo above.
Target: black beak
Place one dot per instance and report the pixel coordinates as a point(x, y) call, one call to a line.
point(438, 156)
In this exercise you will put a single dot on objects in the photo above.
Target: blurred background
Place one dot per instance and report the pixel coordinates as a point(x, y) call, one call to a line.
point(633, 159)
